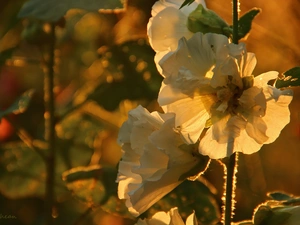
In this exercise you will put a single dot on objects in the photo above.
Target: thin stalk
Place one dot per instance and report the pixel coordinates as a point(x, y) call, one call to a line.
point(50, 128)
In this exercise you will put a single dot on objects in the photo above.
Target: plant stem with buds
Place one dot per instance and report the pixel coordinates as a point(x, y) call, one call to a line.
point(232, 162)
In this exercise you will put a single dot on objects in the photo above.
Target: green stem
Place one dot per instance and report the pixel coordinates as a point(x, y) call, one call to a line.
point(230, 184)
point(50, 128)
point(235, 19)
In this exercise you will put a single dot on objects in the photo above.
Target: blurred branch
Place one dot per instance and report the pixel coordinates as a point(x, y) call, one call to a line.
point(50, 127)
point(70, 111)
point(108, 118)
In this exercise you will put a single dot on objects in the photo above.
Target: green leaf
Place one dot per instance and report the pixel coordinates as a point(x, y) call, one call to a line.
point(53, 10)
point(290, 78)
point(279, 196)
point(292, 201)
point(116, 206)
point(188, 197)
point(95, 186)
point(92, 184)
point(266, 215)
point(22, 171)
point(186, 2)
point(20, 105)
point(245, 22)
point(206, 21)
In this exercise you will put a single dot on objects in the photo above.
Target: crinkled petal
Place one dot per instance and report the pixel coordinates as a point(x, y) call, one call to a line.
point(148, 170)
point(195, 55)
point(153, 162)
point(150, 192)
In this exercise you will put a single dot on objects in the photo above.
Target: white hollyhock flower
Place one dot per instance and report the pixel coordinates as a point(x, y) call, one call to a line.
point(188, 71)
point(168, 24)
point(209, 83)
point(171, 218)
point(155, 160)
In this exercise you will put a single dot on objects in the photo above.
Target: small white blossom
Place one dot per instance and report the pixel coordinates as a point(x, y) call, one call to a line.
point(171, 218)
point(155, 159)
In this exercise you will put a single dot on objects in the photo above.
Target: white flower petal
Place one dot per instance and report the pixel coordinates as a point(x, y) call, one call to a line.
point(263, 79)
point(168, 95)
point(191, 115)
point(210, 147)
point(169, 23)
point(158, 56)
point(243, 143)
point(219, 132)
point(166, 28)
point(175, 217)
point(159, 218)
point(235, 126)
point(249, 64)
point(256, 129)
point(253, 101)
point(277, 112)
point(192, 219)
